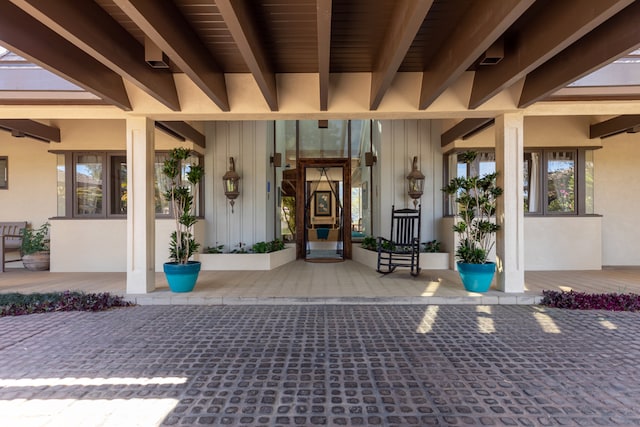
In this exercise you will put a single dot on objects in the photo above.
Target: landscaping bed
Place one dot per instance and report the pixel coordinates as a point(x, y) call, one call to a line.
point(16, 304)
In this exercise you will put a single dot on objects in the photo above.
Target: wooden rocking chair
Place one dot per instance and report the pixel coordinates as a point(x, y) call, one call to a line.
point(403, 247)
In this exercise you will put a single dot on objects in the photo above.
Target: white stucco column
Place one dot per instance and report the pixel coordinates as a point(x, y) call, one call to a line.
point(510, 210)
point(140, 207)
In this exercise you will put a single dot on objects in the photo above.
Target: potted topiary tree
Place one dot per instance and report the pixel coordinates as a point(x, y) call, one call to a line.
point(476, 200)
point(181, 272)
point(35, 248)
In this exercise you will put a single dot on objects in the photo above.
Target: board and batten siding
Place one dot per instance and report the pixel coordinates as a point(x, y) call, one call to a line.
point(250, 144)
point(396, 142)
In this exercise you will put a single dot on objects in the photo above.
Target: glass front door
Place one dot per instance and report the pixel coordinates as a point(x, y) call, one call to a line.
point(323, 220)
point(324, 213)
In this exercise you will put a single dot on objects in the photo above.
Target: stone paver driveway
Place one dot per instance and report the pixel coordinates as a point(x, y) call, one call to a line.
point(321, 365)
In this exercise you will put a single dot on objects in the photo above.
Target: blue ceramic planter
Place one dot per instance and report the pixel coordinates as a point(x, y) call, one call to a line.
point(182, 277)
point(477, 277)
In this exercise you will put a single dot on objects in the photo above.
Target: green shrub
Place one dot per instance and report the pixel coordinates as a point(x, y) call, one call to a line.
point(369, 243)
point(260, 248)
point(267, 247)
point(431, 246)
point(214, 249)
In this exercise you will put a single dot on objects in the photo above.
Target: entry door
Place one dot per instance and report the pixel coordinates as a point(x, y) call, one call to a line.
point(323, 210)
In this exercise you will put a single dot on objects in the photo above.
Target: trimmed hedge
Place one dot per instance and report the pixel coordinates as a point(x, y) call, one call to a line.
point(16, 304)
point(583, 301)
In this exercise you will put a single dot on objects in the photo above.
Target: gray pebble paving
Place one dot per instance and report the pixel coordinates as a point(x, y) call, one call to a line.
point(328, 365)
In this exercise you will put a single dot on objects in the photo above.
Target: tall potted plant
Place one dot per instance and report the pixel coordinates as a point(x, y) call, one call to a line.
point(476, 200)
point(183, 179)
point(35, 248)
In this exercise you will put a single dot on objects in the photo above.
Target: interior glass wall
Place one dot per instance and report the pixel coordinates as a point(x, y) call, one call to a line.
point(361, 159)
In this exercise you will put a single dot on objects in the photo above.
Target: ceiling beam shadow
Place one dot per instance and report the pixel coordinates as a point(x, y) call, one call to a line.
point(238, 18)
point(608, 42)
point(27, 37)
point(465, 129)
point(182, 131)
point(559, 24)
point(481, 26)
point(614, 126)
point(32, 129)
point(405, 23)
point(163, 23)
point(90, 28)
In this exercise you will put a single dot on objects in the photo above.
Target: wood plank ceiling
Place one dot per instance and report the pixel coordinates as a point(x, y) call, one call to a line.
point(98, 44)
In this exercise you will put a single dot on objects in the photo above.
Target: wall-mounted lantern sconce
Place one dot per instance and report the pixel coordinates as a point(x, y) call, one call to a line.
point(370, 159)
point(276, 160)
point(416, 182)
point(230, 182)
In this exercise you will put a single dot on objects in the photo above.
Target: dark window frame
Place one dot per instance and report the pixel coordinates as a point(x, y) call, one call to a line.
point(580, 191)
point(5, 172)
point(74, 184)
point(108, 184)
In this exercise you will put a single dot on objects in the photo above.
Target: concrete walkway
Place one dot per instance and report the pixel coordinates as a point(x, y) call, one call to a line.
point(389, 365)
point(347, 282)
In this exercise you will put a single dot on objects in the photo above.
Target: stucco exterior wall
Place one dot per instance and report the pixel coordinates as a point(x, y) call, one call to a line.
point(101, 245)
point(31, 195)
point(617, 177)
point(559, 243)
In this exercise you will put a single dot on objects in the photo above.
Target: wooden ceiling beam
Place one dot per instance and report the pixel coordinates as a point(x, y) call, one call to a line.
point(608, 42)
point(238, 19)
point(481, 26)
point(27, 37)
point(167, 28)
point(324, 47)
point(464, 129)
point(405, 23)
point(560, 24)
point(92, 29)
point(614, 126)
point(183, 130)
point(32, 129)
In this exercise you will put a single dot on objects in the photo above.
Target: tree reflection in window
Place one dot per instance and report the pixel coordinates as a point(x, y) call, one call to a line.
point(561, 181)
point(89, 184)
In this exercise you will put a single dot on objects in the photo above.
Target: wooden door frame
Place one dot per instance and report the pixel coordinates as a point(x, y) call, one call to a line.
point(301, 166)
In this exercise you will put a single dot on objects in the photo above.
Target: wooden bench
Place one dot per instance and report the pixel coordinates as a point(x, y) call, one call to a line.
point(10, 239)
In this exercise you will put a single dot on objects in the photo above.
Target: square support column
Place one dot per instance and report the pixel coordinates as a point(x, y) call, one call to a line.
point(510, 210)
point(140, 207)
